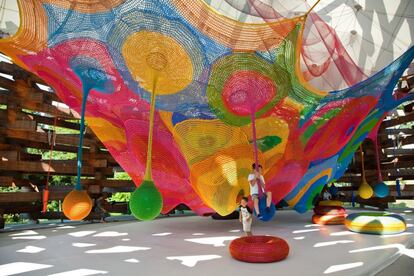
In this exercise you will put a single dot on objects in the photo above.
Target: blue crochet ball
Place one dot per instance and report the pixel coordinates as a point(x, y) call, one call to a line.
point(381, 190)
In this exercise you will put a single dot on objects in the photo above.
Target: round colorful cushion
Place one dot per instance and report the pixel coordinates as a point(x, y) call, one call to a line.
point(328, 219)
point(375, 223)
point(330, 203)
point(329, 210)
point(259, 249)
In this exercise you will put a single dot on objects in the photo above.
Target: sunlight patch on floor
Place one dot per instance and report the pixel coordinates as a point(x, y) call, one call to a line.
point(80, 272)
point(29, 238)
point(312, 225)
point(162, 234)
point(343, 233)
point(110, 234)
point(305, 231)
point(24, 233)
point(396, 235)
point(66, 227)
point(131, 261)
point(31, 249)
point(82, 244)
point(322, 244)
point(341, 267)
point(20, 267)
point(215, 241)
point(400, 247)
point(191, 261)
point(117, 249)
point(81, 234)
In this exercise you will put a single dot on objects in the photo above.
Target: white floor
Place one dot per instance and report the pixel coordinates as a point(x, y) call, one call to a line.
point(197, 246)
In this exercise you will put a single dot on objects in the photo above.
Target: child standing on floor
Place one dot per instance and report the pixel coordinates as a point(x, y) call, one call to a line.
point(246, 216)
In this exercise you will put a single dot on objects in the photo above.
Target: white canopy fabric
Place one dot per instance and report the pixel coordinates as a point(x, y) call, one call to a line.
point(9, 16)
point(373, 32)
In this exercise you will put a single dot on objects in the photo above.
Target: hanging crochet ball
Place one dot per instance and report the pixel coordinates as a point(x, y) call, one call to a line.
point(365, 191)
point(77, 205)
point(146, 201)
point(381, 190)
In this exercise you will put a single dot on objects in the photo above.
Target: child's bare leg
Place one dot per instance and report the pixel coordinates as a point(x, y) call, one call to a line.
point(256, 205)
point(248, 233)
point(268, 199)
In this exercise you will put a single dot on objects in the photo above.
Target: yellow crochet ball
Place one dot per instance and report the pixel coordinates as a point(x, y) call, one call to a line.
point(365, 191)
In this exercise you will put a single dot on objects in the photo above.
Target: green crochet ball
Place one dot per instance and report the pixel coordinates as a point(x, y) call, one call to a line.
point(146, 201)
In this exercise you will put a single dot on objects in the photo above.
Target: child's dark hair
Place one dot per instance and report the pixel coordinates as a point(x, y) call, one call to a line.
point(245, 198)
point(254, 166)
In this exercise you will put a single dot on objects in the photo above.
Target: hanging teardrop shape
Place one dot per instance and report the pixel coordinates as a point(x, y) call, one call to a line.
point(365, 191)
point(381, 190)
point(146, 201)
point(77, 205)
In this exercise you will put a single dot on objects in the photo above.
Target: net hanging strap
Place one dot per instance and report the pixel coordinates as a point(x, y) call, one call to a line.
point(313, 6)
point(148, 170)
point(86, 90)
point(255, 150)
point(395, 147)
point(52, 141)
point(362, 163)
point(377, 158)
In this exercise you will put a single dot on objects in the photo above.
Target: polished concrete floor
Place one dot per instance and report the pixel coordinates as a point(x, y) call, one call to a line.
point(198, 246)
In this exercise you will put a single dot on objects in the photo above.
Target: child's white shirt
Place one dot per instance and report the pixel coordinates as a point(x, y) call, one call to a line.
point(254, 190)
point(245, 213)
point(327, 196)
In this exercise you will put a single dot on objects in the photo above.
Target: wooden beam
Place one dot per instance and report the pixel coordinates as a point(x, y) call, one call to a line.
point(58, 167)
point(20, 207)
point(110, 183)
point(370, 165)
point(403, 141)
point(42, 137)
point(44, 146)
point(23, 125)
point(14, 70)
point(9, 155)
point(116, 184)
point(397, 121)
point(398, 152)
point(60, 122)
point(409, 107)
point(32, 196)
point(373, 200)
point(40, 107)
point(391, 131)
point(117, 208)
point(19, 87)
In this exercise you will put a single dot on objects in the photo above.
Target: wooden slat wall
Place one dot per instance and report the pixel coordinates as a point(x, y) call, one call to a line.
point(23, 124)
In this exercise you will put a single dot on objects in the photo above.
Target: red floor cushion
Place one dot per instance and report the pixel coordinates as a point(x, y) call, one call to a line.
point(259, 249)
point(328, 219)
point(329, 210)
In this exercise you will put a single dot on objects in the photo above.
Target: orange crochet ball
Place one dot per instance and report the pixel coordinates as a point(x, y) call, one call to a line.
point(77, 205)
